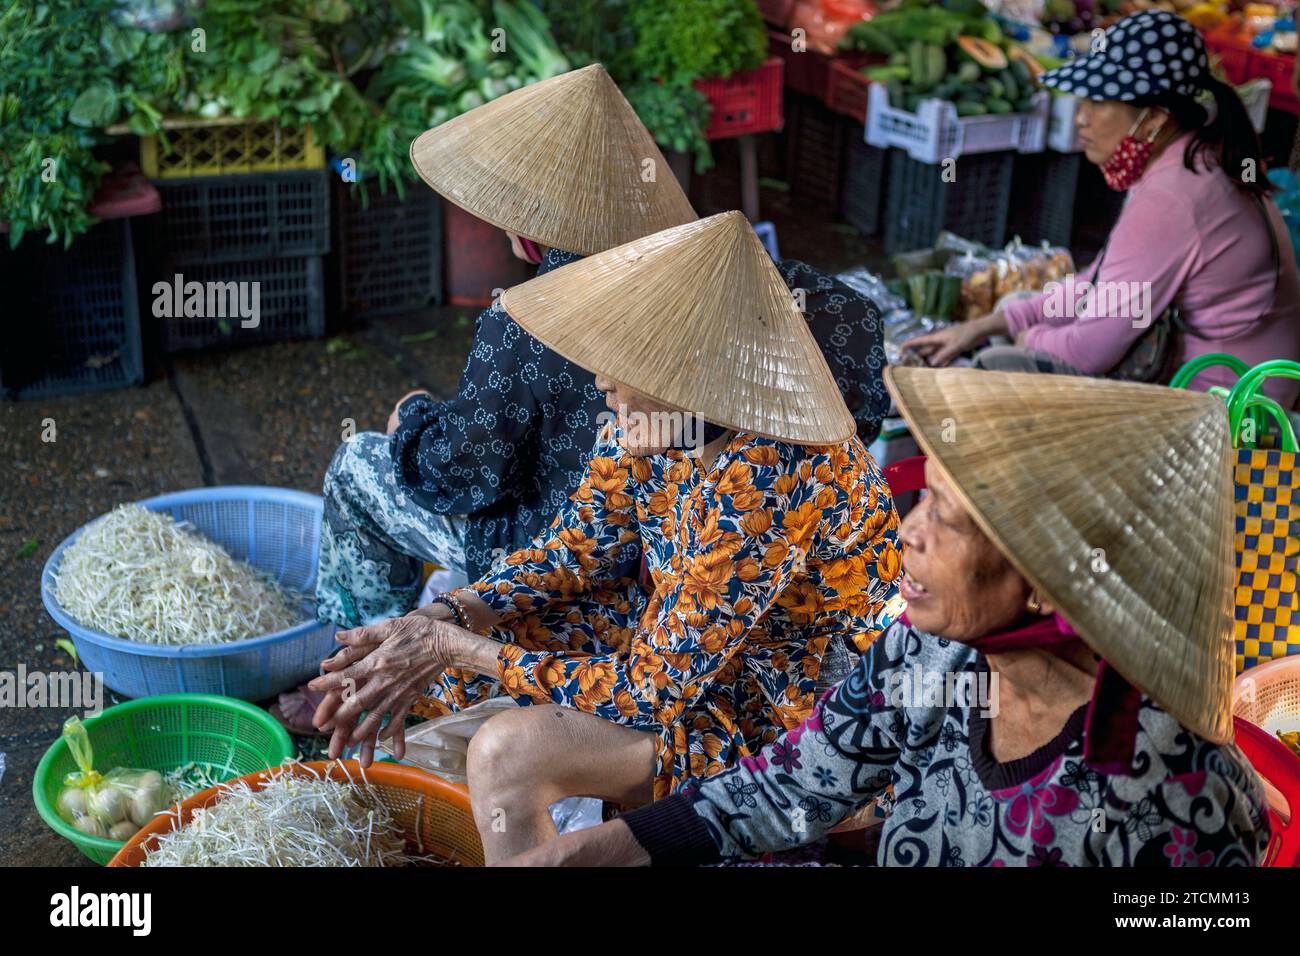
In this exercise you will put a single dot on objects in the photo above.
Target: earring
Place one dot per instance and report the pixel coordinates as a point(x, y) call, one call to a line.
point(1034, 603)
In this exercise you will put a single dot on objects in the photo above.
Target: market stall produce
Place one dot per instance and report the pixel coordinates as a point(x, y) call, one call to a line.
point(143, 576)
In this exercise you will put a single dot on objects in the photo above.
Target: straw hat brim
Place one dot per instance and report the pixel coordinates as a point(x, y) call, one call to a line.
point(562, 162)
point(1114, 500)
point(697, 318)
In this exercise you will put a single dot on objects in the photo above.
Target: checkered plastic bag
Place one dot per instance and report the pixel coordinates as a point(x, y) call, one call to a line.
point(1267, 539)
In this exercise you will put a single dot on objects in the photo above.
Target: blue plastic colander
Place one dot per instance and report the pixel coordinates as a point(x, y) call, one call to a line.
point(274, 529)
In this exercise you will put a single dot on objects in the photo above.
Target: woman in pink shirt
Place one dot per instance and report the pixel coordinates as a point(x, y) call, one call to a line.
point(1197, 233)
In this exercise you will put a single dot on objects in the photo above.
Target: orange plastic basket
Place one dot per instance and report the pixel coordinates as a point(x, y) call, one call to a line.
point(433, 813)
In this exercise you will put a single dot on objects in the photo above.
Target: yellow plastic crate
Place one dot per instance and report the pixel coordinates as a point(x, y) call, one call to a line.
point(223, 147)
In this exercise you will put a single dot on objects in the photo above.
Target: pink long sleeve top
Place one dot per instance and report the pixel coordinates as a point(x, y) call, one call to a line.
point(1200, 243)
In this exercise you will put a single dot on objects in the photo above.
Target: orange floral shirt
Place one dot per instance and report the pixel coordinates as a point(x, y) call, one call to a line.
point(756, 565)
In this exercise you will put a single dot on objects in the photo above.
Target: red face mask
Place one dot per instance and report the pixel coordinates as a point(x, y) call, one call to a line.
point(1129, 161)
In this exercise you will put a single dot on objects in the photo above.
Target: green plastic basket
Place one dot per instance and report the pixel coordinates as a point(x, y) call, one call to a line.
point(228, 737)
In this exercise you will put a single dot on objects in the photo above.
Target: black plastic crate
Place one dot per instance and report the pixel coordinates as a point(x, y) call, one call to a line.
point(863, 187)
point(291, 303)
point(1096, 209)
point(74, 315)
point(1044, 187)
point(921, 204)
point(814, 141)
point(241, 217)
point(389, 252)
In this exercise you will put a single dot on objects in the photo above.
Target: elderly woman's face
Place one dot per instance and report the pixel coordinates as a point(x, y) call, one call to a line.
point(956, 583)
point(637, 416)
point(1102, 124)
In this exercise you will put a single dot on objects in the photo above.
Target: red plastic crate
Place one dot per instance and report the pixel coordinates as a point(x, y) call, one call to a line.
point(1234, 58)
point(748, 102)
point(1242, 62)
point(776, 12)
point(846, 88)
point(805, 71)
point(1279, 68)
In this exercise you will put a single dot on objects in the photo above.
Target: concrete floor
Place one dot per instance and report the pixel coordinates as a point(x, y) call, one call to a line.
point(268, 415)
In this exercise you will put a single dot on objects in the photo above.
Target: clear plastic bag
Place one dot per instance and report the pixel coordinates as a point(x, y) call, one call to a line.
point(866, 283)
point(113, 805)
point(978, 283)
point(441, 745)
point(1059, 262)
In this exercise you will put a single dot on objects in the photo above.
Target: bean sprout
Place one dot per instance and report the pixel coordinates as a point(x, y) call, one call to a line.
point(140, 575)
point(291, 821)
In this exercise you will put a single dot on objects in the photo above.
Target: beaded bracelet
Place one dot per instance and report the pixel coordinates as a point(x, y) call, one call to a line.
point(457, 611)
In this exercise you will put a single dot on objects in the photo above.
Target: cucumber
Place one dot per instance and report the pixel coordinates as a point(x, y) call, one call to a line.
point(995, 87)
point(916, 61)
point(1010, 85)
point(898, 58)
point(936, 64)
point(971, 108)
point(947, 90)
point(968, 72)
point(1023, 76)
point(998, 105)
point(1025, 104)
point(863, 36)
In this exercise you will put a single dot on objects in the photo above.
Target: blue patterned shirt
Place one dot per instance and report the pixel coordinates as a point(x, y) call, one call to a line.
point(508, 450)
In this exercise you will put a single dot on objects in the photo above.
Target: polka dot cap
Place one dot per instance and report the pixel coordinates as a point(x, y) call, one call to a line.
point(1146, 54)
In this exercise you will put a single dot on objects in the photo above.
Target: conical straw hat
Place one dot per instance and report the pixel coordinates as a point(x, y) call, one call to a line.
point(696, 317)
point(1114, 500)
point(564, 162)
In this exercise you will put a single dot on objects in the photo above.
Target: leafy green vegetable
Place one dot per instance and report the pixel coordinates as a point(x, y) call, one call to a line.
point(681, 41)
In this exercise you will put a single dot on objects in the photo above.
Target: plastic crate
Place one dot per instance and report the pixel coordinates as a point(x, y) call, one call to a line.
point(1234, 59)
point(1062, 134)
point(75, 323)
point(1278, 70)
point(806, 71)
point(814, 145)
point(920, 204)
point(222, 147)
point(389, 251)
point(776, 12)
point(745, 102)
point(1044, 189)
point(847, 89)
point(935, 132)
point(863, 186)
point(232, 218)
point(291, 303)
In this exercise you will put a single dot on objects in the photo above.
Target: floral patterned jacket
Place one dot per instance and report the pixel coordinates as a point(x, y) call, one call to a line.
point(756, 565)
point(1186, 801)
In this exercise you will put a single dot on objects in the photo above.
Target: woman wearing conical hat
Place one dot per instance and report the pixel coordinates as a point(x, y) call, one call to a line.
point(1059, 690)
point(773, 539)
point(566, 169)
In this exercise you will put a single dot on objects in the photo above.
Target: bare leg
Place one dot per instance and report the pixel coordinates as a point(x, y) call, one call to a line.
point(522, 761)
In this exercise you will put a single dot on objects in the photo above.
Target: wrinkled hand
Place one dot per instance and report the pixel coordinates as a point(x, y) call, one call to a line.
point(941, 347)
point(393, 420)
point(383, 669)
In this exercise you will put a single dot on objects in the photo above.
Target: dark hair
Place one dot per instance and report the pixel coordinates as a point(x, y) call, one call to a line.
point(1229, 139)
